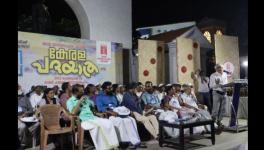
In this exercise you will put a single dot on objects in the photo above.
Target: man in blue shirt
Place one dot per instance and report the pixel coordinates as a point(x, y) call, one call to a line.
point(131, 101)
point(149, 98)
point(106, 102)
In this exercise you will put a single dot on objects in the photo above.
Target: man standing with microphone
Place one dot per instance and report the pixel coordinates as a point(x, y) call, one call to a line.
point(218, 79)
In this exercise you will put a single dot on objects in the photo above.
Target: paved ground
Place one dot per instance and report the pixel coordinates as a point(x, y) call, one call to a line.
point(225, 141)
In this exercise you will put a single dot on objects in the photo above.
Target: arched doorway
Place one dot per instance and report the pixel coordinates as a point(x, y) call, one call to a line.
point(48, 17)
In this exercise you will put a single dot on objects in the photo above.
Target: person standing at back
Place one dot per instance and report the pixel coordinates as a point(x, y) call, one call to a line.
point(203, 88)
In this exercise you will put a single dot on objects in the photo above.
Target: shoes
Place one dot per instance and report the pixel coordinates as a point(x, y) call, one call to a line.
point(219, 130)
point(142, 145)
point(132, 147)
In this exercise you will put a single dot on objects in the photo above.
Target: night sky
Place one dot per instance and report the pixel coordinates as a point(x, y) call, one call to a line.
point(150, 13)
point(233, 12)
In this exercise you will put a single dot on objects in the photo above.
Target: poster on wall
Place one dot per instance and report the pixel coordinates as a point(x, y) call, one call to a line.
point(51, 60)
point(229, 68)
point(103, 52)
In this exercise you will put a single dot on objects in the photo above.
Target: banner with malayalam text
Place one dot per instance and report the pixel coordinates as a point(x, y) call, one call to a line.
point(51, 60)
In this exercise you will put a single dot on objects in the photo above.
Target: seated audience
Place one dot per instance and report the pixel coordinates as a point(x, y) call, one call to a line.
point(65, 94)
point(56, 91)
point(36, 97)
point(102, 130)
point(118, 92)
point(139, 90)
point(25, 110)
point(132, 102)
point(90, 92)
point(148, 97)
point(48, 97)
point(126, 126)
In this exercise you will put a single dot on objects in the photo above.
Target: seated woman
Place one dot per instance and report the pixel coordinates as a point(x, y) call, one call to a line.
point(168, 114)
point(191, 114)
point(48, 98)
point(174, 102)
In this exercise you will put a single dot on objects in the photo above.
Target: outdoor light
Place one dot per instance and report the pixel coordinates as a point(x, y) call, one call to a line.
point(136, 54)
point(245, 63)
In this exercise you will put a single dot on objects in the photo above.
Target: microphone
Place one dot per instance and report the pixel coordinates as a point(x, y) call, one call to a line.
point(227, 72)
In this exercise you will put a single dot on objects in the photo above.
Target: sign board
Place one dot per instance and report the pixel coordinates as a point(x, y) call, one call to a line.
point(51, 60)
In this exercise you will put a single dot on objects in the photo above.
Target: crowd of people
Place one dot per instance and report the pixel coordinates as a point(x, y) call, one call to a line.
point(111, 112)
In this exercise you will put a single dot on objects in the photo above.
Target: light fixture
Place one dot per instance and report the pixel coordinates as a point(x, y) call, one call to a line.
point(245, 63)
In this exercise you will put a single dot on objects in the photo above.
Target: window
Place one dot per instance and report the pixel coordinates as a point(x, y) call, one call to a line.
point(208, 36)
point(218, 32)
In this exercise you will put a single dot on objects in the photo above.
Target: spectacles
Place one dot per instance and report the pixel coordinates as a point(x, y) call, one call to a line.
point(109, 88)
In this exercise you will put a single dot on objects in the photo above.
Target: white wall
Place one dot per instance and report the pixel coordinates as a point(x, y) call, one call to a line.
point(105, 20)
point(110, 20)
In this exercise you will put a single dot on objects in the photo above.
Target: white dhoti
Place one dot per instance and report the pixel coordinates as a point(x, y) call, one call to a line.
point(126, 129)
point(171, 117)
point(204, 115)
point(102, 132)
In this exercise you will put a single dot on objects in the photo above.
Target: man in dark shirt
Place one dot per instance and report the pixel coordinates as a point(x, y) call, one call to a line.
point(131, 101)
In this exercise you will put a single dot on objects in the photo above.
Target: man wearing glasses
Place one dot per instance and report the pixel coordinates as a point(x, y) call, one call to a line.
point(150, 100)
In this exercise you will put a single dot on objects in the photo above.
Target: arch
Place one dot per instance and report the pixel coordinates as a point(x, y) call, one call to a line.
point(82, 18)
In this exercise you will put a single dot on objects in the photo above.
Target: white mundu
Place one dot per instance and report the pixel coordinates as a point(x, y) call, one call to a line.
point(102, 132)
point(217, 76)
point(127, 129)
point(171, 117)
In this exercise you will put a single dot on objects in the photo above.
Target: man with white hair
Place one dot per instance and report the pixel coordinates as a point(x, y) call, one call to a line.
point(218, 79)
point(190, 101)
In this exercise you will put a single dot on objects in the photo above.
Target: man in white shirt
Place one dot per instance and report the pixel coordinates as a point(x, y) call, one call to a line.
point(218, 79)
point(189, 99)
point(36, 97)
